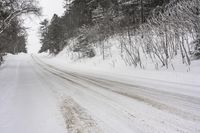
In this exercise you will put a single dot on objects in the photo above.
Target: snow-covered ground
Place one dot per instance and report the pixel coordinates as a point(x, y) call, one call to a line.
point(170, 80)
point(40, 94)
point(27, 105)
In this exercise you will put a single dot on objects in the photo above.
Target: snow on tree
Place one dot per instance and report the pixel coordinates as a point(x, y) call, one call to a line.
point(10, 9)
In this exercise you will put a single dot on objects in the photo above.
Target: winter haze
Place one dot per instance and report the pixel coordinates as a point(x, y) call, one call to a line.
point(50, 7)
point(100, 66)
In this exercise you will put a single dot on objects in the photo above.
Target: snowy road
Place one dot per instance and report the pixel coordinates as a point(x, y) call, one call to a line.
point(36, 97)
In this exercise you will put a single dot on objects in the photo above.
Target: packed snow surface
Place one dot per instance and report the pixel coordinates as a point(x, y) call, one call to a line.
point(45, 95)
point(27, 105)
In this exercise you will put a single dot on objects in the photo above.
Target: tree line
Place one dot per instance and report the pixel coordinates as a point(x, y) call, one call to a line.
point(107, 17)
point(158, 29)
point(13, 35)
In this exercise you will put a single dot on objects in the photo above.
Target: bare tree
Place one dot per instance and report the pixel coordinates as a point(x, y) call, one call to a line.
point(10, 9)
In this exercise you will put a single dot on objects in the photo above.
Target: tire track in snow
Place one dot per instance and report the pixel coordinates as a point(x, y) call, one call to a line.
point(76, 118)
point(109, 85)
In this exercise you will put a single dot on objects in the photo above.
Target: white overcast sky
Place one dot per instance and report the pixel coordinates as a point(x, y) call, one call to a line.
point(49, 8)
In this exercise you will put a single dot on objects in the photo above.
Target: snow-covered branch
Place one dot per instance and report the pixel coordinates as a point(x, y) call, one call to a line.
point(11, 9)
